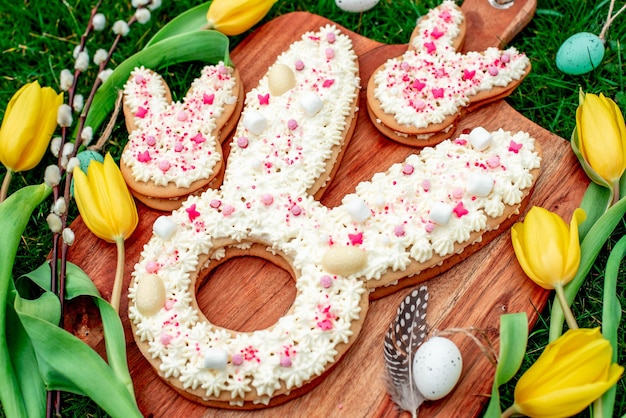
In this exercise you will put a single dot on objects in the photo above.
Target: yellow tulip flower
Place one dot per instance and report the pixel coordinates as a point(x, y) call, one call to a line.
point(571, 373)
point(27, 127)
point(108, 209)
point(601, 138)
point(104, 202)
point(547, 250)
point(29, 122)
point(233, 17)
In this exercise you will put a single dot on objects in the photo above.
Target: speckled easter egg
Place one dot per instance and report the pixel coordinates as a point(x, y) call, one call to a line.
point(356, 6)
point(437, 366)
point(580, 53)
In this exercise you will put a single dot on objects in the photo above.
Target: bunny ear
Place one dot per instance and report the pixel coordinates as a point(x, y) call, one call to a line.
point(443, 27)
point(146, 94)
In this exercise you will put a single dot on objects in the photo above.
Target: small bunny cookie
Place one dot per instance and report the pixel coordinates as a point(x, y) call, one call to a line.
point(174, 148)
point(416, 98)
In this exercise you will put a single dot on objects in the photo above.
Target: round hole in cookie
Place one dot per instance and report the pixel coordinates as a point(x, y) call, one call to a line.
point(245, 292)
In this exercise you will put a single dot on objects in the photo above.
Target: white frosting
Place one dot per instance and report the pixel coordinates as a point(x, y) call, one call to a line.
point(175, 142)
point(267, 201)
point(431, 81)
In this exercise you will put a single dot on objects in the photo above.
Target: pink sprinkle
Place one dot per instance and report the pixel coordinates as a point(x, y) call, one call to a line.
point(139, 79)
point(419, 104)
point(330, 53)
point(192, 212)
point(445, 15)
point(417, 84)
point(404, 65)
point(178, 147)
point(426, 185)
point(493, 162)
point(152, 266)
point(292, 124)
point(356, 239)
point(285, 361)
point(151, 141)
point(493, 70)
point(399, 231)
point(515, 147)
point(329, 82)
point(181, 116)
point(198, 139)
point(326, 281)
point(468, 75)
point(459, 210)
point(169, 304)
point(430, 227)
point(141, 112)
point(264, 99)
point(325, 325)
point(208, 98)
point(267, 199)
point(430, 47)
point(505, 58)
point(436, 33)
point(299, 65)
point(242, 142)
point(166, 339)
point(438, 93)
point(144, 157)
point(457, 192)
point(408, 169)
point(237, 359)
point(460, 141)
point(164, 165)
point(228, 210)
point(296, 210)
point(330, 37)
point(222, 69)
point(215, 203)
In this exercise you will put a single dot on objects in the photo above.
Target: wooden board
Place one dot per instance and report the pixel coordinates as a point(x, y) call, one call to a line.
point(247, 294)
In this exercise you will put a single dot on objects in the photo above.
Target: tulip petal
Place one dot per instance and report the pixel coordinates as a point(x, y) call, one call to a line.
point(123, 210)
point(572, 260)
point(85, 202)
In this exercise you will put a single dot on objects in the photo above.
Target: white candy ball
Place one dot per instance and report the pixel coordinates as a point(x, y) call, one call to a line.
point(255, 122)
point(358, 210)
point(437, 367)
point(356, 6)
point(479, 184)
point(164, 227)
point(440, 213)
point(310, 103)
point(215, 358)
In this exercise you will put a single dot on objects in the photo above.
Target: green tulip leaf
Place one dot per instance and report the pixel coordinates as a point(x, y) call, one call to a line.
point(595, 202)
point(78, 284)
point(513, 338)
point(191, 20)
point(611, 317)
point(24, 359)
point(589, 249)
point(46, 307)
point(206, 46)
point(67, 364)
point(15, 212)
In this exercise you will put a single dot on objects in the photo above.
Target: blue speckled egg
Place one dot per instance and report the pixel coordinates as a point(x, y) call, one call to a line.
point(356, 6)
point(580, 53)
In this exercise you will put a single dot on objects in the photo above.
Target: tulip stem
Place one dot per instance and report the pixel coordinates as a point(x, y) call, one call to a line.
point(616, 192)
point(119, 275)
point(509, 412)
point(5, 185)
point(567, 312)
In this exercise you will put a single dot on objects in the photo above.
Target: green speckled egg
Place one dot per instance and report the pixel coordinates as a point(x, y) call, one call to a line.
point(580, 53)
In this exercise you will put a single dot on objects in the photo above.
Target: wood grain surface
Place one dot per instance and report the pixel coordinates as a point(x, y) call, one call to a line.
point(248, 293)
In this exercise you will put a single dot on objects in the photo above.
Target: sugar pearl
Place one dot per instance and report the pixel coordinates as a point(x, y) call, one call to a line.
point(299, 65)
point(292, 124)
point(237, 359)
point(326, 281)
point(242, 142)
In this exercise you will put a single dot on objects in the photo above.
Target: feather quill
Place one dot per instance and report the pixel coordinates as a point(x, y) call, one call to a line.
point(405, 334)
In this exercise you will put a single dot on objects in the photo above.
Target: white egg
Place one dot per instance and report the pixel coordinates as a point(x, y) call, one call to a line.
point(437, 367)
point(356, 6)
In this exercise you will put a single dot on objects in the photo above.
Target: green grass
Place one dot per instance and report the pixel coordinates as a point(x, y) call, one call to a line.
point(38, 44)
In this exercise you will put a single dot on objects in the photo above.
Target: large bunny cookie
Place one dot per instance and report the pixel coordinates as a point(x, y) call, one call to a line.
point(416, 98)
point(415, 216)
point(174, 148)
